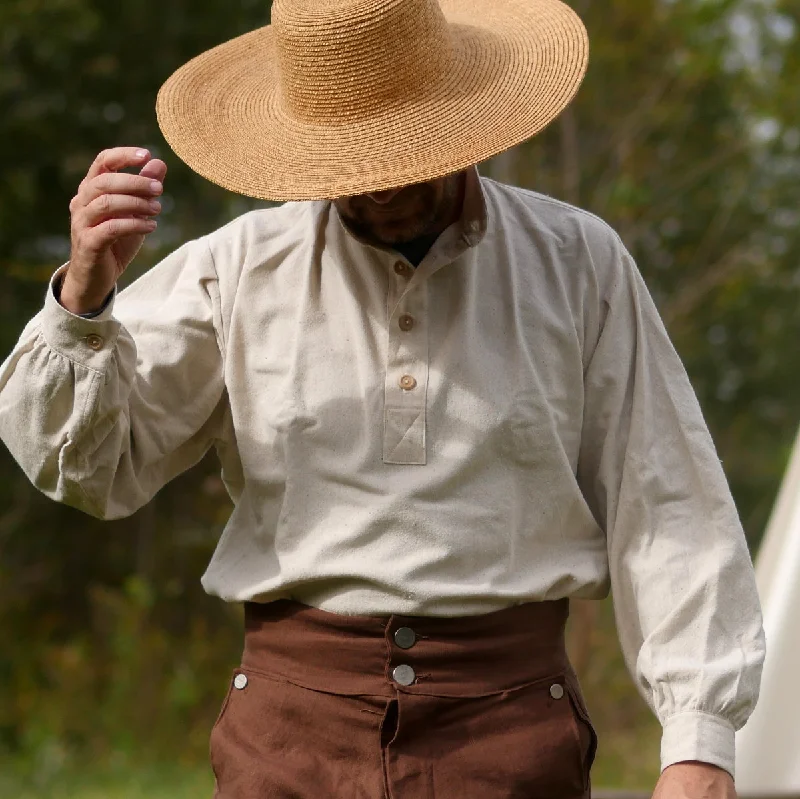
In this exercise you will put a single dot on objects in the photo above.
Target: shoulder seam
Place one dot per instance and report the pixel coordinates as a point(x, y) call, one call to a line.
point(221, 332)
point(560, 204)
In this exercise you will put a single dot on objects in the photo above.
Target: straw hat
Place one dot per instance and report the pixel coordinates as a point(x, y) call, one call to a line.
point(342, 97)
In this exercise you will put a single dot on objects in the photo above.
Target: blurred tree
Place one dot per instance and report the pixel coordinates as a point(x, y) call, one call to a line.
point(79, 76)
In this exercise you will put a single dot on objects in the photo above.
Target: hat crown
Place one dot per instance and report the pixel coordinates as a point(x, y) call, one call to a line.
point(346, 59)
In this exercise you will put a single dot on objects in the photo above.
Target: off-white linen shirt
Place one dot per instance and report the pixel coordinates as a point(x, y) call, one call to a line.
point(507, 422)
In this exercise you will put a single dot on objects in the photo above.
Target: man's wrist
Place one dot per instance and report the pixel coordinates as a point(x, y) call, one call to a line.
point(77, 303)
point(692, 779)
point(700, 764)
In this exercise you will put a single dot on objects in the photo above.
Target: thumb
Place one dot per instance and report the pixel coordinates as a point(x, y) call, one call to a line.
point(155, 169)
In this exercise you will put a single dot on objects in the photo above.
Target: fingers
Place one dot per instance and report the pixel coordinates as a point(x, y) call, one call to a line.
point(93, 240)
point(118, 183)
point(103, 177)
point(111, 206)
point(117, 158)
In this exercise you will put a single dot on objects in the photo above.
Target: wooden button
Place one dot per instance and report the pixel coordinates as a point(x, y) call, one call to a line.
point(407, 383)
point(402, 268)
point(406, 322)
point(94, 341)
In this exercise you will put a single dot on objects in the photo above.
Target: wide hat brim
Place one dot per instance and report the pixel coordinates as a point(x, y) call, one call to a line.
point(518, 64)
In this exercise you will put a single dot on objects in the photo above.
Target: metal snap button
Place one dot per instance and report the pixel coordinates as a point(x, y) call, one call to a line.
point(405, 637)
point(557, 691)
point(240, 681)
point(404, 675)
point(407, 383)
point(94, 341)
point(406, 322)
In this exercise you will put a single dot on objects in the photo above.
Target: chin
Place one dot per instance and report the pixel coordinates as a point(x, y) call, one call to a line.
point(400, 233)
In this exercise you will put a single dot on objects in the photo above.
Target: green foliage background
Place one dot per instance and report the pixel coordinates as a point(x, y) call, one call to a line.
point(685, 137)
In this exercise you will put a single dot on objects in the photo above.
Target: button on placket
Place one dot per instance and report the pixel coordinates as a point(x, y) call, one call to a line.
point(406, 322)
point(406, 371)
point(403, 269)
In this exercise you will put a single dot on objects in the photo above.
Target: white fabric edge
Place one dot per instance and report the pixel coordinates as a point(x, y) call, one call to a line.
point(700, 736)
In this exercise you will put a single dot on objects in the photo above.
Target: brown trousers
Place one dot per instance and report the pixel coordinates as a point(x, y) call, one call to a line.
point(483, 707)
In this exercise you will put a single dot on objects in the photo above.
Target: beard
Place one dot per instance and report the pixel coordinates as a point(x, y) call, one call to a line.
point(417, 211)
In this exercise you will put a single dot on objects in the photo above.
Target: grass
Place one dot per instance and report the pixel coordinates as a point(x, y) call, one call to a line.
point(107, 781)
point(170, 781)
point(165, 781)
point(626, 760)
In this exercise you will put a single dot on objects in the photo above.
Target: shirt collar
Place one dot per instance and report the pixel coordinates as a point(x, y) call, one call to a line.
point(474, 216)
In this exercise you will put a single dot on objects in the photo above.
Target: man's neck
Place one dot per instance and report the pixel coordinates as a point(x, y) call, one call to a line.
point(416, 249)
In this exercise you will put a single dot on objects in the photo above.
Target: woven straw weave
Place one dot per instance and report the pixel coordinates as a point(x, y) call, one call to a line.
point(341, 97)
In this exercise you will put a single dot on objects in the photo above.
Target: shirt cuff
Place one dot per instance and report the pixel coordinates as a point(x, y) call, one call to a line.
point(695, 735)
point(85, 341)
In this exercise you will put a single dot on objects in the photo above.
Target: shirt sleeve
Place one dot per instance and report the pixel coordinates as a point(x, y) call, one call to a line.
point(685, 597)
point(100, 413)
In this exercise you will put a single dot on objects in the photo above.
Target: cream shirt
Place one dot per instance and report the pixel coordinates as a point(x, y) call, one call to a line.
point(507, 422)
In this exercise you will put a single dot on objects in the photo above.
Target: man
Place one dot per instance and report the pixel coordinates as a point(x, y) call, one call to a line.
point(443, 407)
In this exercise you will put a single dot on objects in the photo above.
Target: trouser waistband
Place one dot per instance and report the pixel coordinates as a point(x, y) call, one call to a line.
point(378, 656)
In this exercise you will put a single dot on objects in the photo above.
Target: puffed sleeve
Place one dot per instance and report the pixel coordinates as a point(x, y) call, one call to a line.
point(684, 589)
point(100, 413)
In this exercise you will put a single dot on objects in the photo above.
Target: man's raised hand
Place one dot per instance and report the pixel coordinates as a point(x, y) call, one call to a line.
point(112, 213)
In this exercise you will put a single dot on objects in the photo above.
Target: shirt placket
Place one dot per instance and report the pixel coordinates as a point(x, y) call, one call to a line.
point(406, 387)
